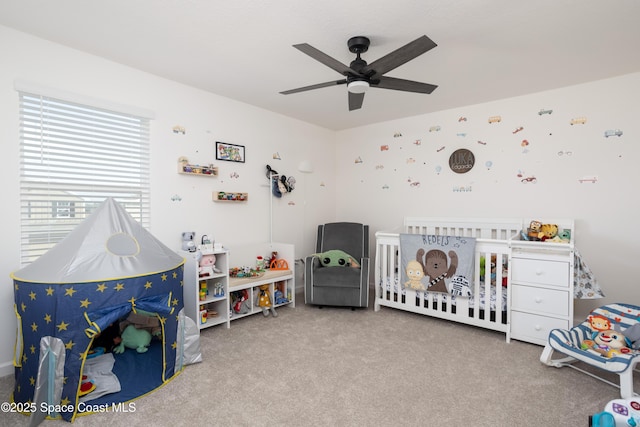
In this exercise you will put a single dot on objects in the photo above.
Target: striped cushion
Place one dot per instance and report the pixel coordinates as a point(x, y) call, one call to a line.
point(568, 341)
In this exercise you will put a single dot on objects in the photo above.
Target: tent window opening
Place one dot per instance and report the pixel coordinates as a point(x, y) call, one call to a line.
point(72, 157)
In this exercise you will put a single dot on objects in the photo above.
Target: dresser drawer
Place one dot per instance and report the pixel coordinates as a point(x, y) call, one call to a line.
point(540, 272)
point(529, 298)
point(533, 328)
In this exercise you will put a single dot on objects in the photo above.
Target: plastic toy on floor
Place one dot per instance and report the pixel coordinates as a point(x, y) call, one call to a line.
point(263, 299)
point(618, 413)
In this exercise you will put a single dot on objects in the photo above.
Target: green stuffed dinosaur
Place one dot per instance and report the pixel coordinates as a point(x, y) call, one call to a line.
point(337, 258)
point(138, 339)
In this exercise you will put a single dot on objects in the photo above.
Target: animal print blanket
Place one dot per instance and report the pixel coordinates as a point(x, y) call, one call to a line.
point(437, 263)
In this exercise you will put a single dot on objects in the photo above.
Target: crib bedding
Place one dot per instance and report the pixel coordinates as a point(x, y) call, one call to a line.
point(391, 285)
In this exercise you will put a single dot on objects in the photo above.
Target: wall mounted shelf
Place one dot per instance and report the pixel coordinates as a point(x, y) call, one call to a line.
point(185, 168)
point(222, 196)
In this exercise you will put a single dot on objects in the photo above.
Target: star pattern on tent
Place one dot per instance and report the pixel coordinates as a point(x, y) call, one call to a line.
point(132, 301)
point(34, 327)
point(69, 345)
point(24, 307)
point(65, 401)
point(147, 285)
point(85, 303)
point(50, 291)
point(101, 287)
point(69, 292)
point(174, 345)
point(175, 274)
point(32, 295)
point(164, 277)
point(33, 349)
point(119, 287)
point(47, 318)
point(62, 326)
point(32, 381)
point(175, 301)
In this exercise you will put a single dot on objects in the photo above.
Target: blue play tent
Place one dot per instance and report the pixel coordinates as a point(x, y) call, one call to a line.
point(106, 268)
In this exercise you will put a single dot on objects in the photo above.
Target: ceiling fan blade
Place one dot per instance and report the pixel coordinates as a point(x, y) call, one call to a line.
point(355, 100)
point(316, 86)
point(405, 85)
point(326, 59)
point(400, 56)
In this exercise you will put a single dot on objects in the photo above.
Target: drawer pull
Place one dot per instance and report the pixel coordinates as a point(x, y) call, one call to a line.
point(537, 328)
point(538, 300)
point(539, 272)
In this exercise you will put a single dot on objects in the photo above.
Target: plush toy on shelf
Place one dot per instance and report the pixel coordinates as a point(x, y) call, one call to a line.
point(240, 303)
point(263, 299)
point(207, 265)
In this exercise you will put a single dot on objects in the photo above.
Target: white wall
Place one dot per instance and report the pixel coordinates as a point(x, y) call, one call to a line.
point(207, 118)
point(606, 212)
point(341, 189)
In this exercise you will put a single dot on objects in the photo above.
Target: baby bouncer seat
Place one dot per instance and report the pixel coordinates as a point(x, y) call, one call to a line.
point(577, 344)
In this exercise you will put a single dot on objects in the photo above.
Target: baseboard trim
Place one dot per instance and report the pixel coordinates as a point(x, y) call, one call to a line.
point(6, 368)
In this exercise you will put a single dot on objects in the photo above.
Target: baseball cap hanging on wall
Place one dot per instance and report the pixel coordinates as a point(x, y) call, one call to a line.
point(280, 184)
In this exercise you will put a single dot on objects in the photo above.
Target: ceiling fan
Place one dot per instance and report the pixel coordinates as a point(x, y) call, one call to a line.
point(359, 75)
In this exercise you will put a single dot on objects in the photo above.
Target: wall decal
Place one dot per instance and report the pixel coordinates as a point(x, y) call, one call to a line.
point(592, 179)
point(234, 175)
point(562, 153)
point(462, 119)
point(482, 143)
point(435, 129)
point(525, 179)
point(612, 132)
point(358, 160)
point(440, 149)
point(397, 135)
point(385, 187)
point(276, 156)
point(411, 160)
point(461, 160)
point(438, 169)
point(179, 129)
point(461, 134)
point(413, 183)
point(488, 164)
point(495, 119)
point(417, 142)
point(379, 167)
point(578, 121)
point(384, 148)
point(518, 129)
point(462, 189)
point(176, 198)
point(543, 111)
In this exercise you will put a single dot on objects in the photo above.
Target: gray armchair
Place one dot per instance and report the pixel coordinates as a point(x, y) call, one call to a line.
point(339, 286)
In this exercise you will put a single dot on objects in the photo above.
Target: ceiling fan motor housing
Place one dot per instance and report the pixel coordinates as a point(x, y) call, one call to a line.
point(359, 44)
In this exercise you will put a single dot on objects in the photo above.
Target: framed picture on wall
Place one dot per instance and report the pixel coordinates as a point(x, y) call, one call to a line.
point(229, 152)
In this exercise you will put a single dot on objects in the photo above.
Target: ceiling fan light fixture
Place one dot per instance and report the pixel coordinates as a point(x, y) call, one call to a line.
point(358, 86)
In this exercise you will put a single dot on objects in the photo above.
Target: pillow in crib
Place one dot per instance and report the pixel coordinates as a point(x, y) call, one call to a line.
point(337, 258)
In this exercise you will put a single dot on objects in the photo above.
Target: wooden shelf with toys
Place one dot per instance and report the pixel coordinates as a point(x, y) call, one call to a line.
point(256, 287)
point(185, 168)
point(222, 196)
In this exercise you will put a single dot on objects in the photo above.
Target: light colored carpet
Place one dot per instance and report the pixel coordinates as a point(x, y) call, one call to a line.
point(338, 367)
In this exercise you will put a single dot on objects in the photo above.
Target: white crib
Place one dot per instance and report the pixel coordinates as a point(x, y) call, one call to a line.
point(488, 305)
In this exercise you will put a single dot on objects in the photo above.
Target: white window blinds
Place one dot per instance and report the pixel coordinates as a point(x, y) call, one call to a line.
point(72, 157)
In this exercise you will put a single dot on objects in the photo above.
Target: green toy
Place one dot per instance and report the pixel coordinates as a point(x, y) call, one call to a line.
point(138, 339)
point(337, 258)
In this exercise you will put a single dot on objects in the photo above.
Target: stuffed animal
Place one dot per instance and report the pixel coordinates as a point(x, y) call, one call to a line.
point(632, 333)
point(207, 265)
point(607, 343)
point(187, 241)
point(415, 273)
point(240, 303)
point(337, 258)
point(548, 231)
point(263, 299)
point(138, 339)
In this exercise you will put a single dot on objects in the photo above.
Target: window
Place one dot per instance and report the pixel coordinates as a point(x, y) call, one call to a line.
point(72, 157)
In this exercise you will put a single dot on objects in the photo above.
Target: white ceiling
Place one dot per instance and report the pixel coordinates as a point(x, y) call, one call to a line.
point(242, 49)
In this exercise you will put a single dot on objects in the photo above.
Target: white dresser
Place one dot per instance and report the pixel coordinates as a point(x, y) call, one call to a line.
point(541, 280)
